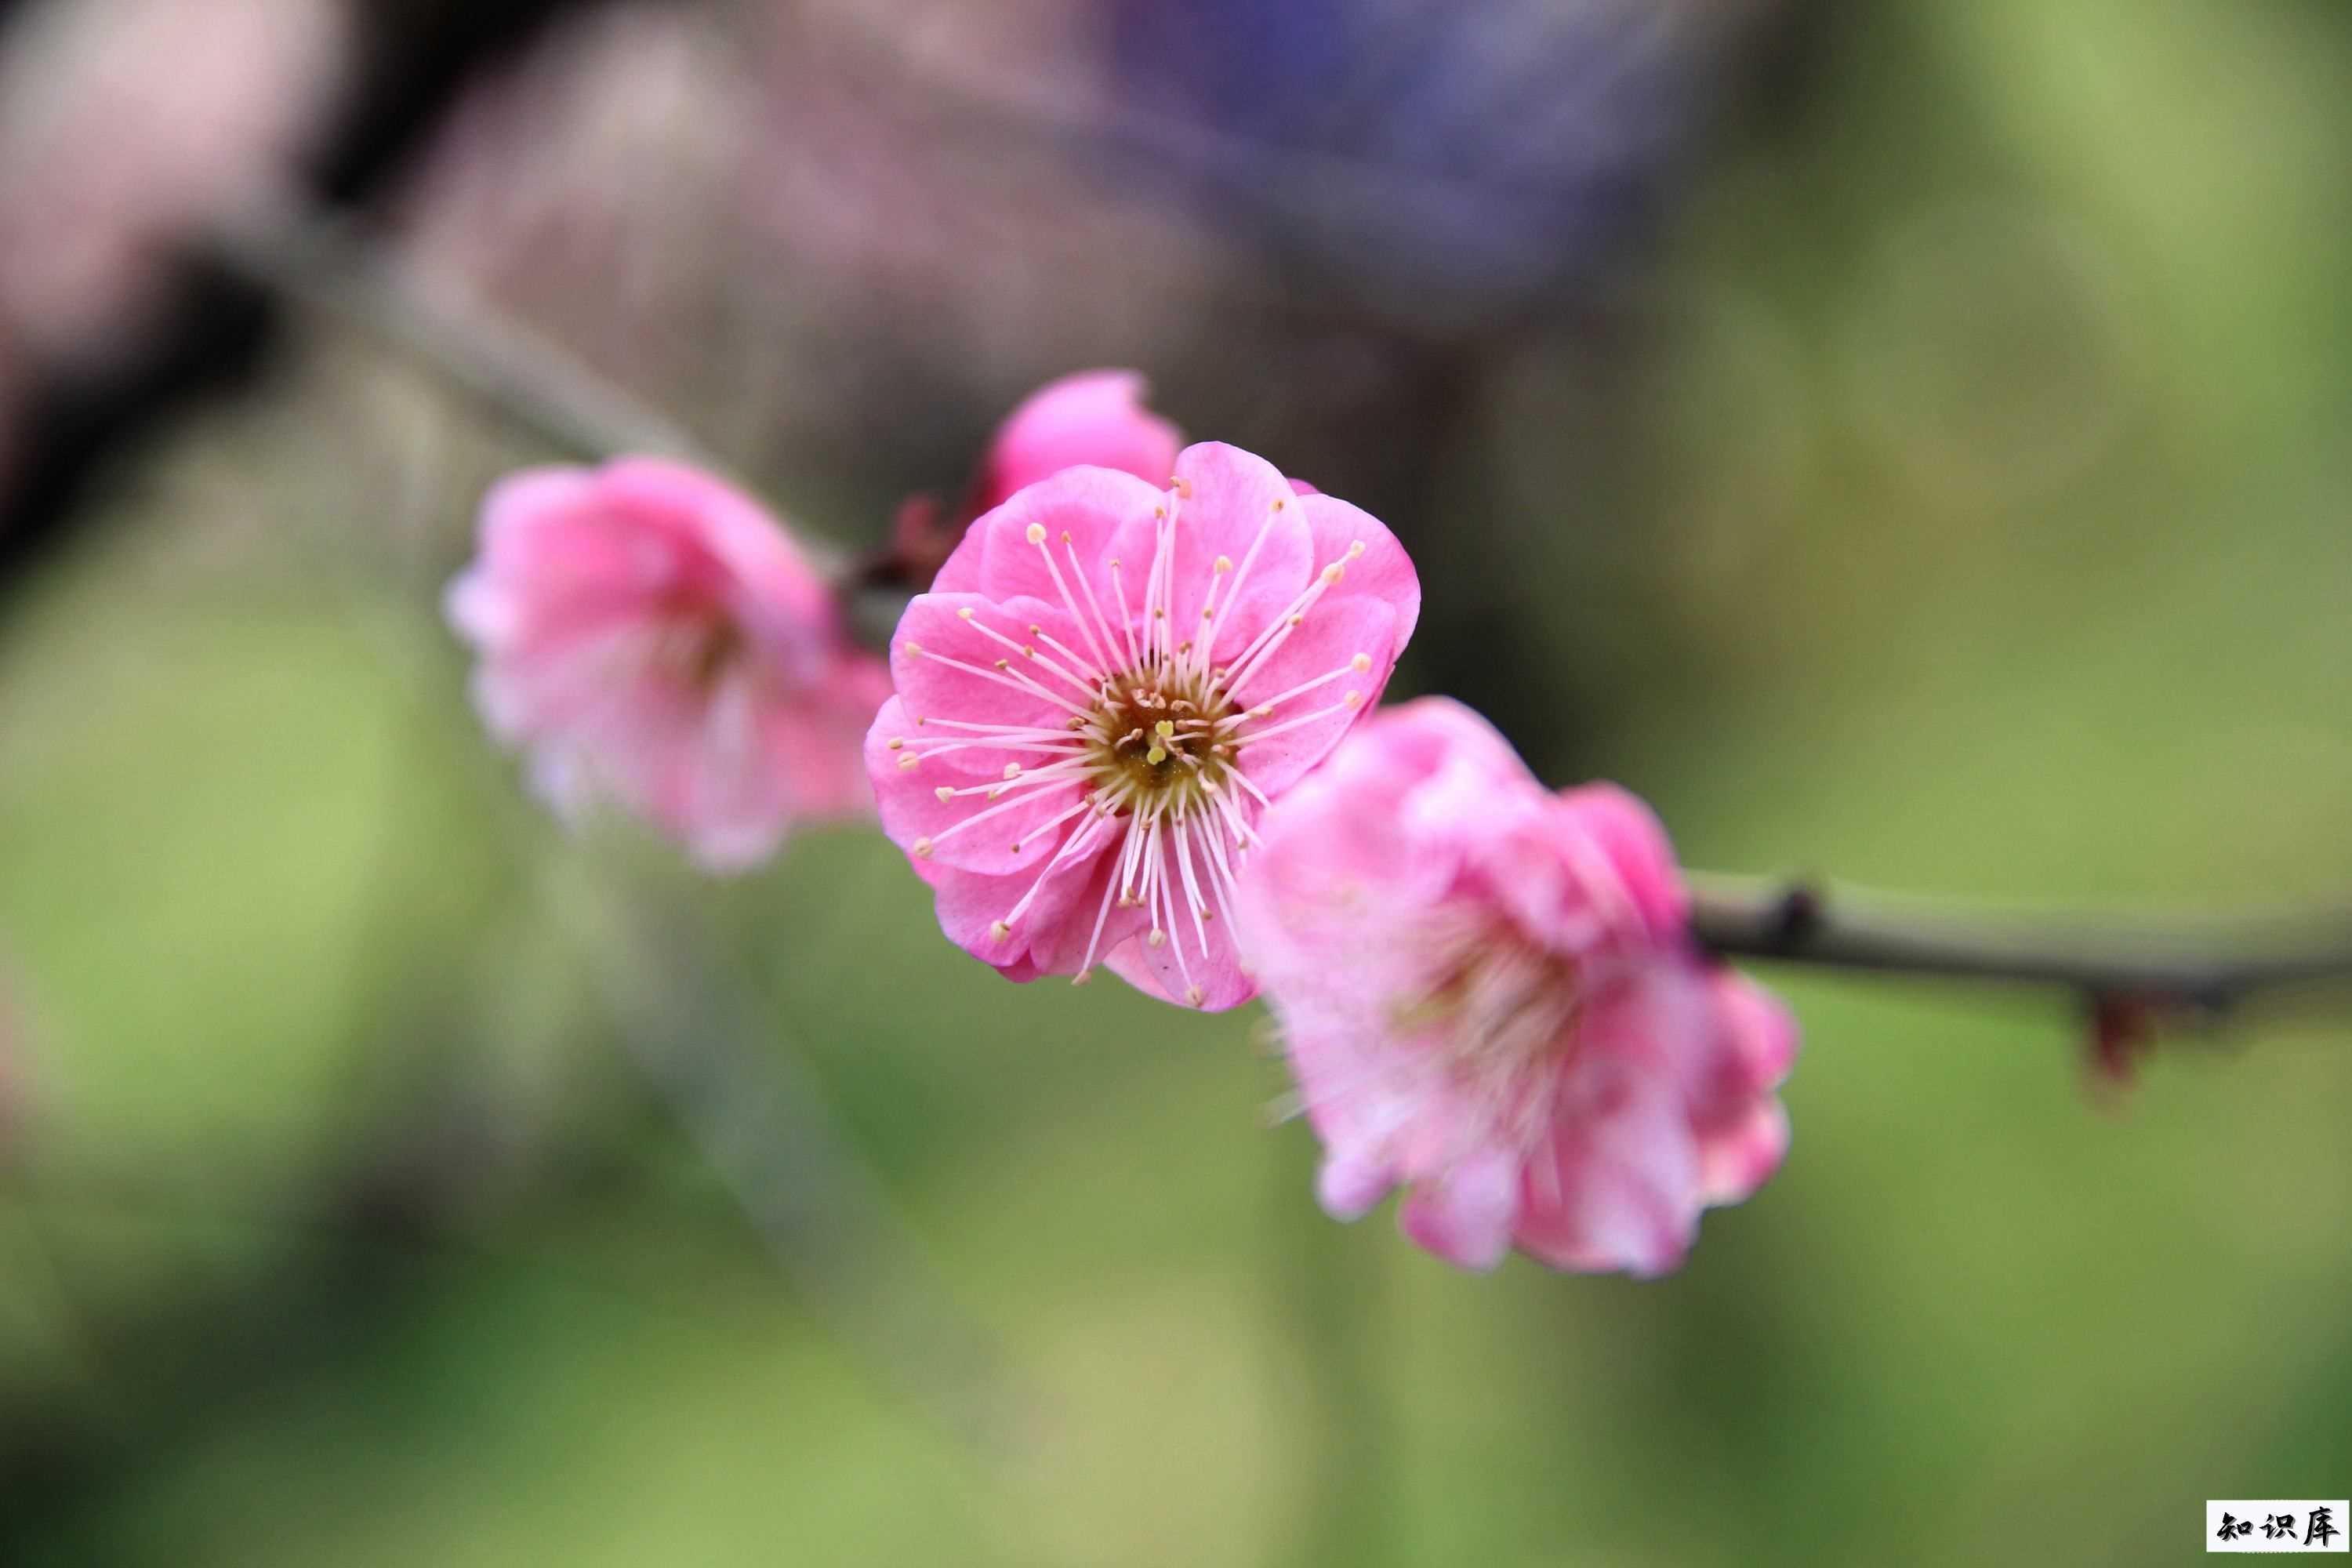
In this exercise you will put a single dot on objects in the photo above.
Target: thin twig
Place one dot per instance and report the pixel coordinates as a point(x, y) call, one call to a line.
point(2210, 964)
point(504, 367)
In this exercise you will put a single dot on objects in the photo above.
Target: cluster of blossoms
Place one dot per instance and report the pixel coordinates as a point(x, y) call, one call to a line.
point(1130, 725)
point(653, 636)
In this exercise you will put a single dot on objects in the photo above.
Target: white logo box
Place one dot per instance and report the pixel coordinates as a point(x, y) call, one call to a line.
point(2261, 1511)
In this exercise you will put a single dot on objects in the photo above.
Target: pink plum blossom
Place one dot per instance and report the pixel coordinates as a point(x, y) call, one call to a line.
point(1489, 994)
point(1109, 684)
point(651, 634)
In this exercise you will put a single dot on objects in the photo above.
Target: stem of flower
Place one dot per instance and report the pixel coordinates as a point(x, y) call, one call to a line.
point(2208, 965)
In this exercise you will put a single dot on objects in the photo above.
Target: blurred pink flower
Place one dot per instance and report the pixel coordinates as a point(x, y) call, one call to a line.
point(1107, 687)
point(1094, 416)
point(1489, 994)
point(650, 634)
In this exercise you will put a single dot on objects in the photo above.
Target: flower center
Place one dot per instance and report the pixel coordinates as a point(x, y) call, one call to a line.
point(1158, 735)
point(1505, 1008)
point(698, 648)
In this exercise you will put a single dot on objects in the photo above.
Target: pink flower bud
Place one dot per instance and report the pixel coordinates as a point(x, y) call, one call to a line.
point(1096, 416)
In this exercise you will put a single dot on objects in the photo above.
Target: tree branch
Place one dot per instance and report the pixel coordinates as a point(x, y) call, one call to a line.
point(2209, 965)
point(211, 328)
point(508, 370)
point(308, 259)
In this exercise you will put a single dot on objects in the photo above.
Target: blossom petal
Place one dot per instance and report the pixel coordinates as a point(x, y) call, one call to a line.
point(1350, 1186)
point(1093, 506)
point(517, 507)
point(1095, 921)
point(1466, 1216)
point(1761, 1032)
point(560, 560)
point(1240, 510)
point(1637, 861)
point(1330, 639)
point(945, 665)
point(1737, 1160)
point(724, 798)
point(1204, 959)
point(972, 906)
point(768, 580)
point(1014, 837)
point(1347, 842)
point(1620, 1188)
point(1382, 570)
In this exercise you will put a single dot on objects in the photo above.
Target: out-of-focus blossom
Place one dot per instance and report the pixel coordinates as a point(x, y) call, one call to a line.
point(1489, 994)
point(1107, 685)
point(128, 126)
point(1094, 417)
point(649, 633)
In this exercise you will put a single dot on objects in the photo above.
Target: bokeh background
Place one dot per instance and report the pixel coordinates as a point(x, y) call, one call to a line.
point(1908, 441)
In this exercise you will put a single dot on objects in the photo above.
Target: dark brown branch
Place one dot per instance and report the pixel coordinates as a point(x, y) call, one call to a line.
point(2210, 964)
point(213, 330)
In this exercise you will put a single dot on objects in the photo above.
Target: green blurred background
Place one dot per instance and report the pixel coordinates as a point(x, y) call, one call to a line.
point(1943, 487)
